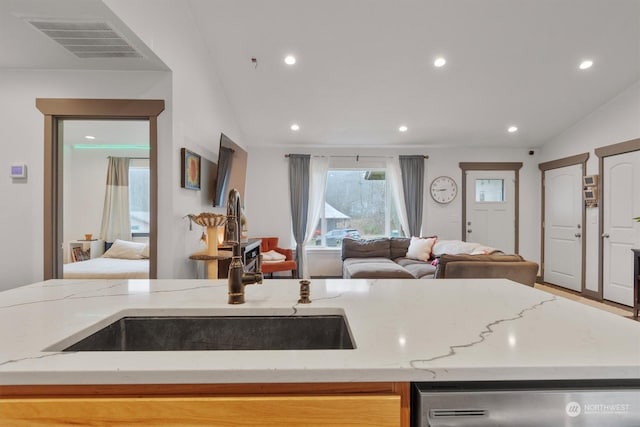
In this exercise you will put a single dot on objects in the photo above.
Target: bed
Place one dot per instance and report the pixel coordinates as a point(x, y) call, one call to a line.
point(123, 260)
point(107, 268)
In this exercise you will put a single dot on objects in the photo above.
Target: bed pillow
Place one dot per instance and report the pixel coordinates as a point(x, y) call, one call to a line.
point(125, 249)
point(145, 251)
point(420, 248)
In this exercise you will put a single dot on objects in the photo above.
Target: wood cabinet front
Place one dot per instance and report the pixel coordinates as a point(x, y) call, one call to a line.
point(377, 404)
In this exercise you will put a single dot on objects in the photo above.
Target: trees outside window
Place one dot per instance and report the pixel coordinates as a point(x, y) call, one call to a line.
point(357, 204)
point(139, 199)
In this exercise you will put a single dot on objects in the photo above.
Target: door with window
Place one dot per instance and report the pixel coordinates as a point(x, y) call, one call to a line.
point(490, 209)
point(563, 226)
point(621, 203)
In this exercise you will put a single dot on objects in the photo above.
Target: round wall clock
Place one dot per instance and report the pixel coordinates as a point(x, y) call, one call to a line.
point(443, 189)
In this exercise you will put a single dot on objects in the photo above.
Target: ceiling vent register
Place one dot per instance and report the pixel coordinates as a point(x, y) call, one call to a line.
point(87, 39)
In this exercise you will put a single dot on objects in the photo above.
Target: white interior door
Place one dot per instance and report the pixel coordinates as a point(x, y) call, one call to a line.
point(491, 209)
point(621, 203)
point(563, 227)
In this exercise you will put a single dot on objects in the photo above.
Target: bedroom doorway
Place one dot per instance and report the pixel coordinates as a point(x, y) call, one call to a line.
point(57, 110)
point(89, 147)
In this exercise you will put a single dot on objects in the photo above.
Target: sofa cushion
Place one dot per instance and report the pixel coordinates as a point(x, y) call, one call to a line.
point(446, 258)
point(399, 246)
point(373, 268)
point(419, 269)
point(366, 248)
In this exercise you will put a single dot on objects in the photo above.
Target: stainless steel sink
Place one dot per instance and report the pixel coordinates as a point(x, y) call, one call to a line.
point(184, 333)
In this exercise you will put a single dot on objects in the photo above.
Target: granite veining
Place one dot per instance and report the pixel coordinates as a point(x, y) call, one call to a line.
point(403, 330)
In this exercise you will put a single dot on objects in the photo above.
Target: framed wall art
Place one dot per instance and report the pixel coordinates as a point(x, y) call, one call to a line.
point(190, 170)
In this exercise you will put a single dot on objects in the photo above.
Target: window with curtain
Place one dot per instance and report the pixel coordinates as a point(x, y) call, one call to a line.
point(139, 198)
point(357, 203)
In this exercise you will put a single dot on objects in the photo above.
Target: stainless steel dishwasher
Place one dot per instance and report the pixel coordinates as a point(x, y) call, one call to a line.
point(599, 403)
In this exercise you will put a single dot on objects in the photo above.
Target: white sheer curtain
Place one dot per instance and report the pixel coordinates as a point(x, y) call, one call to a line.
point(116, 222)
point(318, 168)
point(395, 182)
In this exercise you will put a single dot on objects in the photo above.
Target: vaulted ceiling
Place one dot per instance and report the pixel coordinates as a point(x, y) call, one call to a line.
point(365, 67)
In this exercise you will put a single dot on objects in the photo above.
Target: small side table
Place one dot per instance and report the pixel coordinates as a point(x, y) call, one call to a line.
point(636, 282)
point(212, 261)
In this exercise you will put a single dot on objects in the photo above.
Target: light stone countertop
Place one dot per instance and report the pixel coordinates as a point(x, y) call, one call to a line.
point(404, 330)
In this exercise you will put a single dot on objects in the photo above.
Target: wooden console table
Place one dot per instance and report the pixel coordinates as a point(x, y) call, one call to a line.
point(636, 282)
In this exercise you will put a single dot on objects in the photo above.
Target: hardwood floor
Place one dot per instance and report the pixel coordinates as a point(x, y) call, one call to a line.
point(610, 307)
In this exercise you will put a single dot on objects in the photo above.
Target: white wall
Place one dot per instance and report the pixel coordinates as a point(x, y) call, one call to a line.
point(268, 210)
point(200, 113)
point(614, 122)
point(196, 112)
point(21, 140)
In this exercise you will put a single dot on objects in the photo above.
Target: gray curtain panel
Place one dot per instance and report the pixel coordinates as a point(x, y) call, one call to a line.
point(299, 197)
point(412, 168)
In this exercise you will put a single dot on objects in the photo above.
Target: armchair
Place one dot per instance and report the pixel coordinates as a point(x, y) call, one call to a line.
point(270, 267)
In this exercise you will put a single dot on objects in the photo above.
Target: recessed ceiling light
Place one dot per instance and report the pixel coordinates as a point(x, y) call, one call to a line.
point(295, 126)
point(290, 60)
point(89, 137)
point(512, 129)
point(403, 128)
point(439, 62)
point(587, 63)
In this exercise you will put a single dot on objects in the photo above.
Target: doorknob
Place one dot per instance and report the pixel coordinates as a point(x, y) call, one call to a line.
point(469, 231)
point(605, 235)
point(577, 235)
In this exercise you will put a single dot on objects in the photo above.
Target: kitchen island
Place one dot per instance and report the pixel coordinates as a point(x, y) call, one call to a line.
point(403, 331)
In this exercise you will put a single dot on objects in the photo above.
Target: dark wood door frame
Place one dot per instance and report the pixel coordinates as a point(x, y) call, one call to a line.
point(54, 109)
point(493, 166)
point(556, 164)
point(602, 152)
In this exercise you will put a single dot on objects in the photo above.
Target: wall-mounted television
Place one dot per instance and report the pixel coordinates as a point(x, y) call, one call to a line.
point(232, 170)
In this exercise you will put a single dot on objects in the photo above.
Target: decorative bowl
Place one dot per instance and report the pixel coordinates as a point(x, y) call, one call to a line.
point(208, 219)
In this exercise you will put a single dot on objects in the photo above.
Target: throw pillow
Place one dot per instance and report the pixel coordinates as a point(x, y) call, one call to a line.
point(420, 248)
point(273, 256)
point(125, 249)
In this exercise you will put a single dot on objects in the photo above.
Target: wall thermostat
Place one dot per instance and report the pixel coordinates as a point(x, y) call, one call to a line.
point(18, 171)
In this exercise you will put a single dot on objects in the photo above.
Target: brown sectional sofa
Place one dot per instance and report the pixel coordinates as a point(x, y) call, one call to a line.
point(464, 266)
point(381, 258)
point(385, 258)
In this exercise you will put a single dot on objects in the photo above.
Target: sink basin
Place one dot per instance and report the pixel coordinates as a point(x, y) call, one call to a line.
point(184, 333)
